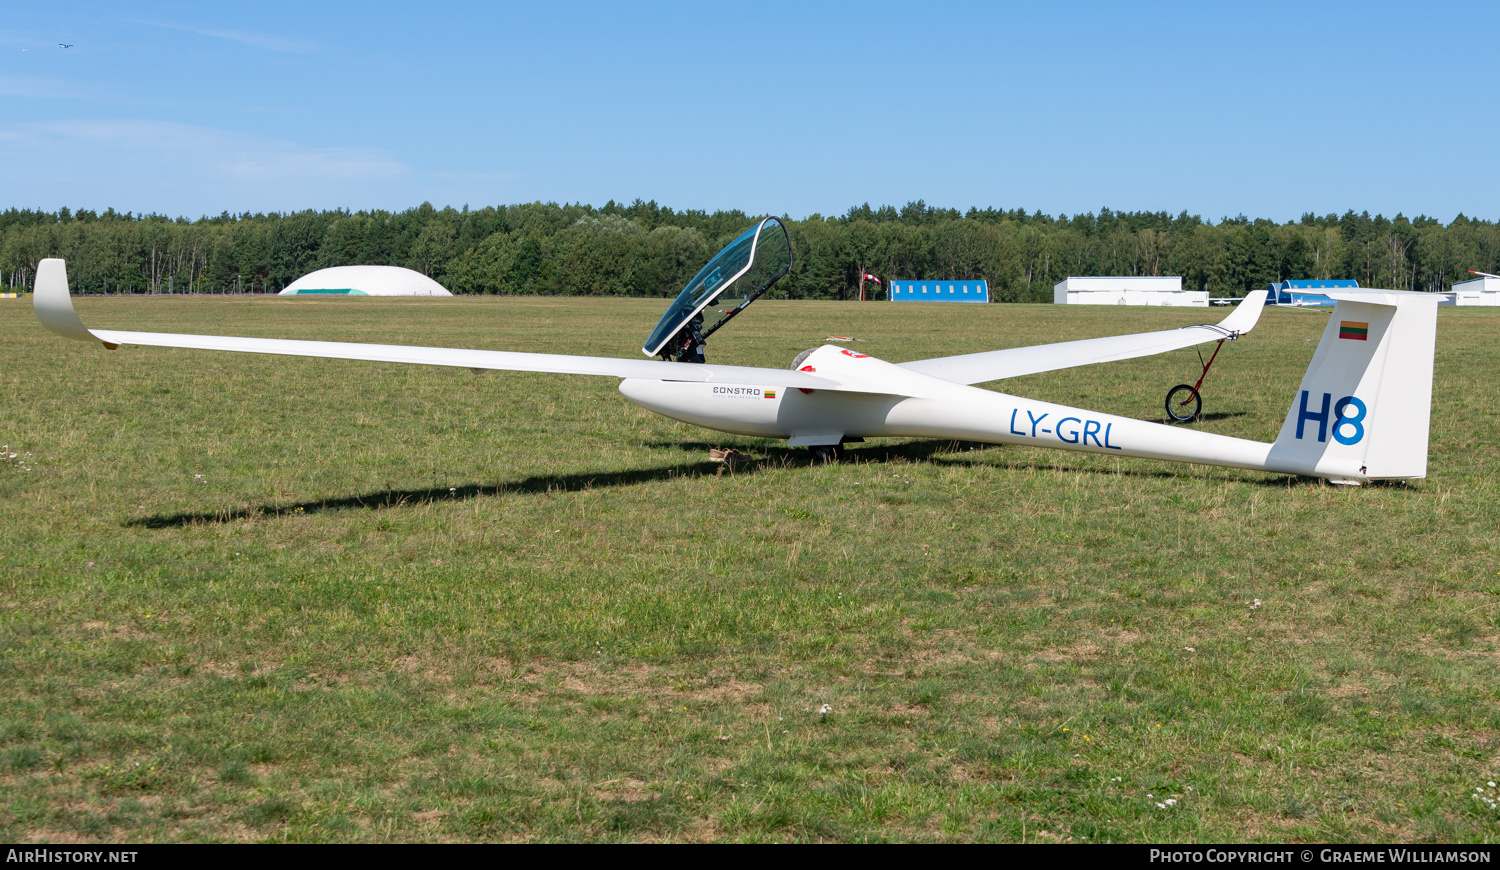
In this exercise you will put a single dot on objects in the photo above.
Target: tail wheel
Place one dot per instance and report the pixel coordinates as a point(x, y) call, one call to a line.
point(1184, 404)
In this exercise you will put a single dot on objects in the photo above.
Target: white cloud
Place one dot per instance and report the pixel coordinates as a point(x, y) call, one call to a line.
point(269, 42)
point(448, 175)
point(40, 88)
point(200, 151)
point(168, 167)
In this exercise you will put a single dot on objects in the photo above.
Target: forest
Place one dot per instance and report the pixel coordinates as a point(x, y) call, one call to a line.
point(644, 249)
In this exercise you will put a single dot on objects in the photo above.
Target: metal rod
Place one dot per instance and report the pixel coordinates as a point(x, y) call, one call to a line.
point(1209, 363)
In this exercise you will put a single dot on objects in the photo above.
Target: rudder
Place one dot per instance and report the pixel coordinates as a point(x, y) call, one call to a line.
point(1363, 409)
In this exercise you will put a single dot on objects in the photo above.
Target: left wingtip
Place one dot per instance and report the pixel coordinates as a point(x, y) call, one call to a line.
point(53, 305)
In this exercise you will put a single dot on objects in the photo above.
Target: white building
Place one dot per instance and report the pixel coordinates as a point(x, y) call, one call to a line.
point(1126, 291)
point(365, 281)
point(1480, 291)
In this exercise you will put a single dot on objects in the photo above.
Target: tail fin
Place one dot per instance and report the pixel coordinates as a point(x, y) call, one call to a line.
point(1363, 409)
point(53, 308)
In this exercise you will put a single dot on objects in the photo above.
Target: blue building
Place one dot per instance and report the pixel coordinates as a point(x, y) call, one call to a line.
point(940, 291)
point(1299, 292)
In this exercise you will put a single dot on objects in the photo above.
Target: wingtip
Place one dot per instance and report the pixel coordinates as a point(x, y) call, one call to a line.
point(53, 305)
point(1245, 315)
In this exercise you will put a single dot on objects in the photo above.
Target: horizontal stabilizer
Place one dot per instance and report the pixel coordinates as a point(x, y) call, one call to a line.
point(976, 368)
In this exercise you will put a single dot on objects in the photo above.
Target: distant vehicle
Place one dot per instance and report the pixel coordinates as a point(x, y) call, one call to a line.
point(1361, 413)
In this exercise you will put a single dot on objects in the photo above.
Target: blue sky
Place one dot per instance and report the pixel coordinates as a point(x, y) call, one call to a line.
point(1265, 109)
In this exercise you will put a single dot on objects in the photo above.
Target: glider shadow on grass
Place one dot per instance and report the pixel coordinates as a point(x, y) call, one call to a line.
point(390, 498)
point(538, 484)
point(922, 450)
point(1221, 415)
point(914, 450)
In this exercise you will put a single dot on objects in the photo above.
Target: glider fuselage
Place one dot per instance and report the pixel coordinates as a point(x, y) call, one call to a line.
point(904, 403)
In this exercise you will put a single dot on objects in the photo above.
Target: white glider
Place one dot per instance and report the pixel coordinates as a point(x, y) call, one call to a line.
point(1361, 413)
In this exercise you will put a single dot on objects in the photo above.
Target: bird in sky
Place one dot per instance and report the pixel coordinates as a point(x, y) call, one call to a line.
point(66, 44)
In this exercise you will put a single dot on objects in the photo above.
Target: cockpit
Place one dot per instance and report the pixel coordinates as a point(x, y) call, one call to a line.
point(734, 278)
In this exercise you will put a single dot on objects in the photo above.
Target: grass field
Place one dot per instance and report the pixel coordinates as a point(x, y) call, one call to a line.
point(281, 599)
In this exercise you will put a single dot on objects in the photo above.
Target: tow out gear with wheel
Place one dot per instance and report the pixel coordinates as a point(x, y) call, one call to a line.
point(1184, 402)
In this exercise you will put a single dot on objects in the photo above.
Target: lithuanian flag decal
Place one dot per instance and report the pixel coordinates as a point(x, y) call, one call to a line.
point(770, 394)
point(1354, 329)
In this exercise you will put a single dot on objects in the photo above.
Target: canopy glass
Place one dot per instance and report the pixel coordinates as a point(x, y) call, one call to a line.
point(735, 277)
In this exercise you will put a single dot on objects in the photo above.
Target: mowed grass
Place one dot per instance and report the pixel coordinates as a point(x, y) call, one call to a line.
point(282, 599)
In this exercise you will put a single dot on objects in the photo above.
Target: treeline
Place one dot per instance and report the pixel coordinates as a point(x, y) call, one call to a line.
point(644, 249)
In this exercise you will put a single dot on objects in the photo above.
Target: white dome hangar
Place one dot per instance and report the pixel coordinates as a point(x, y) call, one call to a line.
point(364, 281)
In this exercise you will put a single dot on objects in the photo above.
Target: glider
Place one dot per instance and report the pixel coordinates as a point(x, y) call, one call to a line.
point(1360, 414)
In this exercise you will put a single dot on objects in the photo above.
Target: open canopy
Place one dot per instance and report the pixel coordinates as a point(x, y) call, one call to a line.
point(735, 277)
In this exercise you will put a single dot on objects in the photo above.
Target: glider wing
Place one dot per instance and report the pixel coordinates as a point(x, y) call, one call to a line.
point(54, 307)
point(975, 368)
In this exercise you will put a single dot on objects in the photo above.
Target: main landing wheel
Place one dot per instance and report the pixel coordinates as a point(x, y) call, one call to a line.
point(1184, 404)
point(827, 453)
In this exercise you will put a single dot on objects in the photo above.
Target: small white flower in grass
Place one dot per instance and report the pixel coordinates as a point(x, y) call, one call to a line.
point(1171, 801)
point(1116, 779)
point(825, 710)
point(1161, 806)
point(1492, 785)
